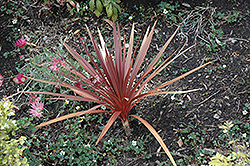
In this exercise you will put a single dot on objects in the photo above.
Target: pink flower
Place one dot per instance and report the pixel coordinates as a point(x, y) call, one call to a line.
point(1, 80)
point(79, 85)
point(96, 80)
point(36, 109)
point(48, 4)
point(72, 3)
point(33, 98)
point(106, 87)
point(20, 78)
point(21, 42)
point(61, 2)
point(58, 64)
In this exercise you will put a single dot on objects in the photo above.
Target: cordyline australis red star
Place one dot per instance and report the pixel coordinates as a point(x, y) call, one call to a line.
point(113, 82)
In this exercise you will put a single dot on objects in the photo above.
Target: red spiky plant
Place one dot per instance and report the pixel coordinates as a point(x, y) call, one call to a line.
point(113, 82)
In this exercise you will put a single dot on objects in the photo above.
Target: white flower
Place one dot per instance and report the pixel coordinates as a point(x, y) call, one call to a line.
point(14, 122)
point(6, 126)
point(134, 143)
point(14, 21)
point(201, 154)
point(122, 38)
point(172, 97)
point(244, 112)
point(78, 107)
point(65, 143)
point(126, 45)
point(86, 7)
point(224, 66)
point(66, 101)
point(62, 153)
point(103, 107)
point(81, 119)
point(5, 104)
point(94, 161)
point(11, 114)
point(130, 17)
point(88, 146)
point(225, 131)
point(165, 11)
point(109, 141)
point(244, 135)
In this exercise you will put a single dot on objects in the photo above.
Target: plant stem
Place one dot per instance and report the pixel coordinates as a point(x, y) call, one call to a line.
point(127, 128)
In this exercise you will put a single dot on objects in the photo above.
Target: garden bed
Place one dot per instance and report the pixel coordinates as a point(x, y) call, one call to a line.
point(187, 123)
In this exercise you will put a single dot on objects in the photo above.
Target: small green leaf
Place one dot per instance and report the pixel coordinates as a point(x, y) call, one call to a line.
point(97, 13)
point(99, 6)
point(92, 4)
point(115, 11)
point(109, 11)
point(114, 17)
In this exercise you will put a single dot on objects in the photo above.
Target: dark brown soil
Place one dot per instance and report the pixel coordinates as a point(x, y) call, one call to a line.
point(224, 90)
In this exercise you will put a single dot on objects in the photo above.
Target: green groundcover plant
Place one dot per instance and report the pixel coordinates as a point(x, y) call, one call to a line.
point(113, 80)
point(10, 151)
point(239, 155)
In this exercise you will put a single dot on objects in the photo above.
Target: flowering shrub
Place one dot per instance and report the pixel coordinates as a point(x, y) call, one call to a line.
point(20, 78)
point(10, 153)
point(111, 80)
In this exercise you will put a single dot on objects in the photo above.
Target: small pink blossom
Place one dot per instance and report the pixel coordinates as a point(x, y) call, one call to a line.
point(107, 88)
point(33, 98)
point(72, 3)
point(4, 98)
point(1, 80)
point(57, 65)
point(36, 109)
point(20, 78)
point(48, 4)
point(61, 2)
point(21, 42)
point(96, 80)
point(79, 85)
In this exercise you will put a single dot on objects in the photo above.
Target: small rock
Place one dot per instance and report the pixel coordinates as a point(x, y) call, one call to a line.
point(216, 116)
point(45, 38)
point(186, 4)
point(232, 40)
point(180, 143)
point(219, 112)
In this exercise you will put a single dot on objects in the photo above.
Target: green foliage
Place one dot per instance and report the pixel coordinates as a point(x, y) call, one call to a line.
point(170, 12)
point(77, 145)
point(239, 154)
point(32, 69)
point(216, 32)
point(10, 151)
point(11, 8)
point(111, 6)
point(231, 18)
point(247, 106)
